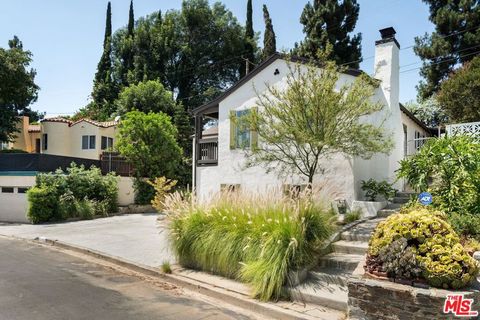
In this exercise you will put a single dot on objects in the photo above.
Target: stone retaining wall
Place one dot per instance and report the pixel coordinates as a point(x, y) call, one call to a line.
point(384, 300)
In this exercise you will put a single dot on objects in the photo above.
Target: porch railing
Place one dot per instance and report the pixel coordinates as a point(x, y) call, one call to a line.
point(207, 153)
point(471, 128)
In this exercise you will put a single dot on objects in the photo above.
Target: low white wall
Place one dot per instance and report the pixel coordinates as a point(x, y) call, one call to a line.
point(126, 193)
point(14, 206)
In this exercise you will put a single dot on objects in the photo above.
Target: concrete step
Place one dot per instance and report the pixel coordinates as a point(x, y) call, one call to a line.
point(386, 212)
point(394, 206)
point(329, 294)
point(404, 194)
point(350, 236)
point(401, 200)
point(351, 247)
point(342, 261)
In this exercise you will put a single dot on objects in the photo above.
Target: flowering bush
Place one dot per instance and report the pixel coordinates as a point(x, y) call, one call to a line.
point(437, 250)
point(258, 240)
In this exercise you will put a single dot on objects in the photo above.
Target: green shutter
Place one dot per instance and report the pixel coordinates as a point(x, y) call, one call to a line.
point(233, 116)
point(254, 133)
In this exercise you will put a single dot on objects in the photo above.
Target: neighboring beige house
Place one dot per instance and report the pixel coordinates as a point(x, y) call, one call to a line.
point(27, 137)
point(84, 138)
point(80, 139)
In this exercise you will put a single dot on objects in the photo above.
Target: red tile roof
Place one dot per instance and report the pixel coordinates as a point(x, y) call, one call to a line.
point(34, 128)
point(106, 124)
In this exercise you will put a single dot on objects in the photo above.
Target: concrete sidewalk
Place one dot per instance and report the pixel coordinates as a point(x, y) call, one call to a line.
point(134, 237)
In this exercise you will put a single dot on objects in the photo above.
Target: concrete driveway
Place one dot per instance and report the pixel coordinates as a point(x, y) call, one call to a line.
point(134, 237)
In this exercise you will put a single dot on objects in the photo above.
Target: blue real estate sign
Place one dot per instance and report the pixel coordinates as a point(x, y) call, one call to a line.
point(425, 198)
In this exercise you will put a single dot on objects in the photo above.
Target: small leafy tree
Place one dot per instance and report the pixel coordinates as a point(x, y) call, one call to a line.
point(311, 119)
point(148, 141)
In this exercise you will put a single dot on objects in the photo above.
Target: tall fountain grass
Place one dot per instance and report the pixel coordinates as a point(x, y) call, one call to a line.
point(255, 239)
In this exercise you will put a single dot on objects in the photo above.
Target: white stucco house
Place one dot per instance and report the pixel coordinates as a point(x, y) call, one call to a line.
point(219, 163)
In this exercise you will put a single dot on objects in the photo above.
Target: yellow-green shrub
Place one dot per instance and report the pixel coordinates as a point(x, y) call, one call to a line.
point(443, 260)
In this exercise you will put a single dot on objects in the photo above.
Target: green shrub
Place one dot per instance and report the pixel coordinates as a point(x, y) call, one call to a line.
point(258, 240)
point(466, 225)
point(449, 168)
point(85, 208)
point(79, 192)
point(43, 204)
point(399, 260)
point(373, 189)
point(144, 191)
point(437, 248)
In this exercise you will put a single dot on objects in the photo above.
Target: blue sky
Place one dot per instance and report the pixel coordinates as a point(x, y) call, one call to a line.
point(65, 37)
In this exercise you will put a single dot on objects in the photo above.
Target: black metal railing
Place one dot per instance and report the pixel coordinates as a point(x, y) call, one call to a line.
point(114, 162)
point(207, 153)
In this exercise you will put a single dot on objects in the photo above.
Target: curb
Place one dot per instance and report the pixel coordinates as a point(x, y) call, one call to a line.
point(231, 297)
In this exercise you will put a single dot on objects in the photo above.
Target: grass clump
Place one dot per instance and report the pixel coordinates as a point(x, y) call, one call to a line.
point(352, 216)
point(255, 239)
point(166, 268)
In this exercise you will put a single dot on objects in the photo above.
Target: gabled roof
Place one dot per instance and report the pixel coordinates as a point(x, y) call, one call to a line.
point(274, 57)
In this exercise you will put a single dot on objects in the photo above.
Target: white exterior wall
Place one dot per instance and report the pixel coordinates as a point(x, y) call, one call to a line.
point(14, 206)
point(126, 193)
point(342, 175)
point(412, 126)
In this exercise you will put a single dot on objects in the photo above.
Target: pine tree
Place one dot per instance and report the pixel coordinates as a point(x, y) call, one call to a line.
point(103, 89)
point(248, 61)
point(331, 21)
point(269, 40)
point(454, 42)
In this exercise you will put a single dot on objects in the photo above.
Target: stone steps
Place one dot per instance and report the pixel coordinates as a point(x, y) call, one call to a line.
point(350, 247)
point(326, 284)
point(342, 261)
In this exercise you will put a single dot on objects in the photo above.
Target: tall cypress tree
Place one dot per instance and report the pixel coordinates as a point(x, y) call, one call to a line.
point(248, 61)
point(128, 50)
point(331, 21)
point(103, 89)
point(131, 20)
point(269, 39)
point(454, 42)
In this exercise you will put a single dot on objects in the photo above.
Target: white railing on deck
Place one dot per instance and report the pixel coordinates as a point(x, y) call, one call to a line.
point(471, 128)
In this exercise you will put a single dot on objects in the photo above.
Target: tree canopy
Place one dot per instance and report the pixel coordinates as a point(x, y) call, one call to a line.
point(17, 87)
point(455, 41)
point(312, 119)
point(459, 95)
point(331, 22)
point(148, 96)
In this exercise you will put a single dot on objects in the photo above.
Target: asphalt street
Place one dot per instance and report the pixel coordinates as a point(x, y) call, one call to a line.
point(38, 283)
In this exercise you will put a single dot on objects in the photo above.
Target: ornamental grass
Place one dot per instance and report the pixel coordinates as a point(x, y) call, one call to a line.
point(256, 239)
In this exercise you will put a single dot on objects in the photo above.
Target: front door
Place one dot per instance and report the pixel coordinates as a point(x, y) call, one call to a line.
point(37, 145)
